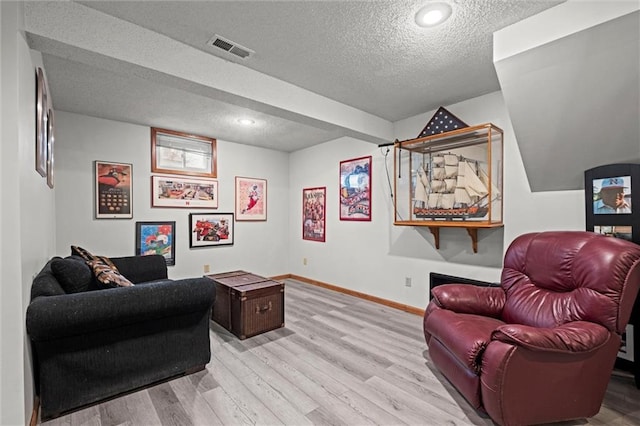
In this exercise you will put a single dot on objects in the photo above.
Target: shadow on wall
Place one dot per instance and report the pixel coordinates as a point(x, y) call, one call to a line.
point(455, 245)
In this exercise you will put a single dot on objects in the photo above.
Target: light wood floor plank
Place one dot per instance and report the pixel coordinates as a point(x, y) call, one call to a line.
point(339, 360)
point(268, 388)
point(242, 396)
point(225, 408)
point(168, 406)
point(190, 393)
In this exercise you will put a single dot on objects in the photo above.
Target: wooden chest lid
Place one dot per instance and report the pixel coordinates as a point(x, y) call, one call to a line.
point(236, 278)
point(247, 288)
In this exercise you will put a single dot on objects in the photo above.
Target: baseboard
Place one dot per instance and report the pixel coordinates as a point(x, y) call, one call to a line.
point(34, 412)
point(391, 304)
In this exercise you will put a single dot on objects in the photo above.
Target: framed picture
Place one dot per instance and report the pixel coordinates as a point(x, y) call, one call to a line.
point(156, 238)
point(182, 154)
point(173, 191)
point(210, 229)
point(612, 195)
point(624, 232)
point(42, 127)
point(113, 189)
point(627, 344)
point(251, 198)
point(355, 189)
point(50, 142)
point(314, 209)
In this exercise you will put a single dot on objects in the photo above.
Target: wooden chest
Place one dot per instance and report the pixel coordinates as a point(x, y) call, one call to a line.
point(247, 304)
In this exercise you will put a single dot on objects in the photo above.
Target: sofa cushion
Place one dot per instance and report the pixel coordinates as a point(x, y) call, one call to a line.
point(74, 276)
point(108, 275)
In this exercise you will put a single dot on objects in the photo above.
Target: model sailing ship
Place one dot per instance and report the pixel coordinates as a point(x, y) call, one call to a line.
point(451, 187)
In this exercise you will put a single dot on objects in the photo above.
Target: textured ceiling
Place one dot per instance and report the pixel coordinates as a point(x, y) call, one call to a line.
point(366, 55)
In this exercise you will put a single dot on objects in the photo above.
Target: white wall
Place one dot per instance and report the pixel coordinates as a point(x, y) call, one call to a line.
point(375, 257)
point(260, 247)
point(26, 215)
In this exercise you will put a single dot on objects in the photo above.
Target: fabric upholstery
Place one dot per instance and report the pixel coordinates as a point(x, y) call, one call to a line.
point(74, 276)
point(91, 346)
point(522, 351)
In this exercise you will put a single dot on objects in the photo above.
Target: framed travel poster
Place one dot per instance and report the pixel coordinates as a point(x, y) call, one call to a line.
point(210, 229)
point(314, 209)
point(113, 190)
point(251, 198)
point(179, 153)
point(355, 189)
point(194, 193)
point(156, 238)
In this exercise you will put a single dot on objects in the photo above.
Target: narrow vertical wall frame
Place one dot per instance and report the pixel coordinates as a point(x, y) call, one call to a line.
point(41, 123)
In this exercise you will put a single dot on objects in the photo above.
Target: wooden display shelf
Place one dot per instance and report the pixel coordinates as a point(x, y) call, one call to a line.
point(434, 227)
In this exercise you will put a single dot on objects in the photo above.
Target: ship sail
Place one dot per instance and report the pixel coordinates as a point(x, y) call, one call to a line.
point(470, 182)
point(453, 188)
point(422, 186)
point(495, 193)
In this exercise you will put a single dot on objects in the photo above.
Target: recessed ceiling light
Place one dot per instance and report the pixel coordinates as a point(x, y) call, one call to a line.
point(433, 14)
point(246, 121)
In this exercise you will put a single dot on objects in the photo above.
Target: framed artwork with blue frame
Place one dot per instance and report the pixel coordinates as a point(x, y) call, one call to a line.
point(156, 238)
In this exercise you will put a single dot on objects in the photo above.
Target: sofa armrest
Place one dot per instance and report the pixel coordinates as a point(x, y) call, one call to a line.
point(80, 313)
point(572, 337)
point(470, 299)
point(139, 269)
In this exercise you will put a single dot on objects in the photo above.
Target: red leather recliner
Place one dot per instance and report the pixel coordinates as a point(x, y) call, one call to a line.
point(541, 347)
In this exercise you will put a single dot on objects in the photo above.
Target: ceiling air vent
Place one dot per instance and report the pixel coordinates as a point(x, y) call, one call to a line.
point(230, 46)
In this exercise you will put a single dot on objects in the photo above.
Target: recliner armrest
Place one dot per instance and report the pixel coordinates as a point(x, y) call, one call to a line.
point(470, 299)
point(572, 337)
point(51, 317)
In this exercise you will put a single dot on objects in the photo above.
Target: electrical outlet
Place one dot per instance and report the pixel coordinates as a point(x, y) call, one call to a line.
point(304, 261)
point(207, 269)
point(407, 282)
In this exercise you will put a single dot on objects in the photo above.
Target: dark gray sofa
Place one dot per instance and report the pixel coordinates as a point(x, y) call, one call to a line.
point(93, 344)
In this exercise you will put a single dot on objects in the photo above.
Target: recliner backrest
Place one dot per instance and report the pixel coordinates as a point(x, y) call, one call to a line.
point(551, 278)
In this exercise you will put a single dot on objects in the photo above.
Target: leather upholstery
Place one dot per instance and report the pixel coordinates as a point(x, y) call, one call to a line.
point(539, 348)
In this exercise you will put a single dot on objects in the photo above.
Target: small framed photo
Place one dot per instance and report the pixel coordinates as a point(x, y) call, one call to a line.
point(627, 347)
point(314, 209)
point(113, 189)
point(355, 189)
point(210, 229)
point(612, 195)
point(156, 238)
point(173, 191)
point(624, 232)
point(251, 198)
point(177, 153)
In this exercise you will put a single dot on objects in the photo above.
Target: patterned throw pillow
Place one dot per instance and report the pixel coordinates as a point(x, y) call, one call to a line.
point(83, 253)
point(107, 275)
point(79, 251)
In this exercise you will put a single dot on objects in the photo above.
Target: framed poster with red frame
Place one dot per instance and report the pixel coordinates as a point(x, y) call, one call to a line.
point(355, 189)
point(314, 209)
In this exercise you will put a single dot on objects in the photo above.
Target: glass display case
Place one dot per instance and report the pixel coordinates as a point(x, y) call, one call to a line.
point(452, 179)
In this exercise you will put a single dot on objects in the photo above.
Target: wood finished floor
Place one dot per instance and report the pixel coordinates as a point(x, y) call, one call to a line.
point(340, 360)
